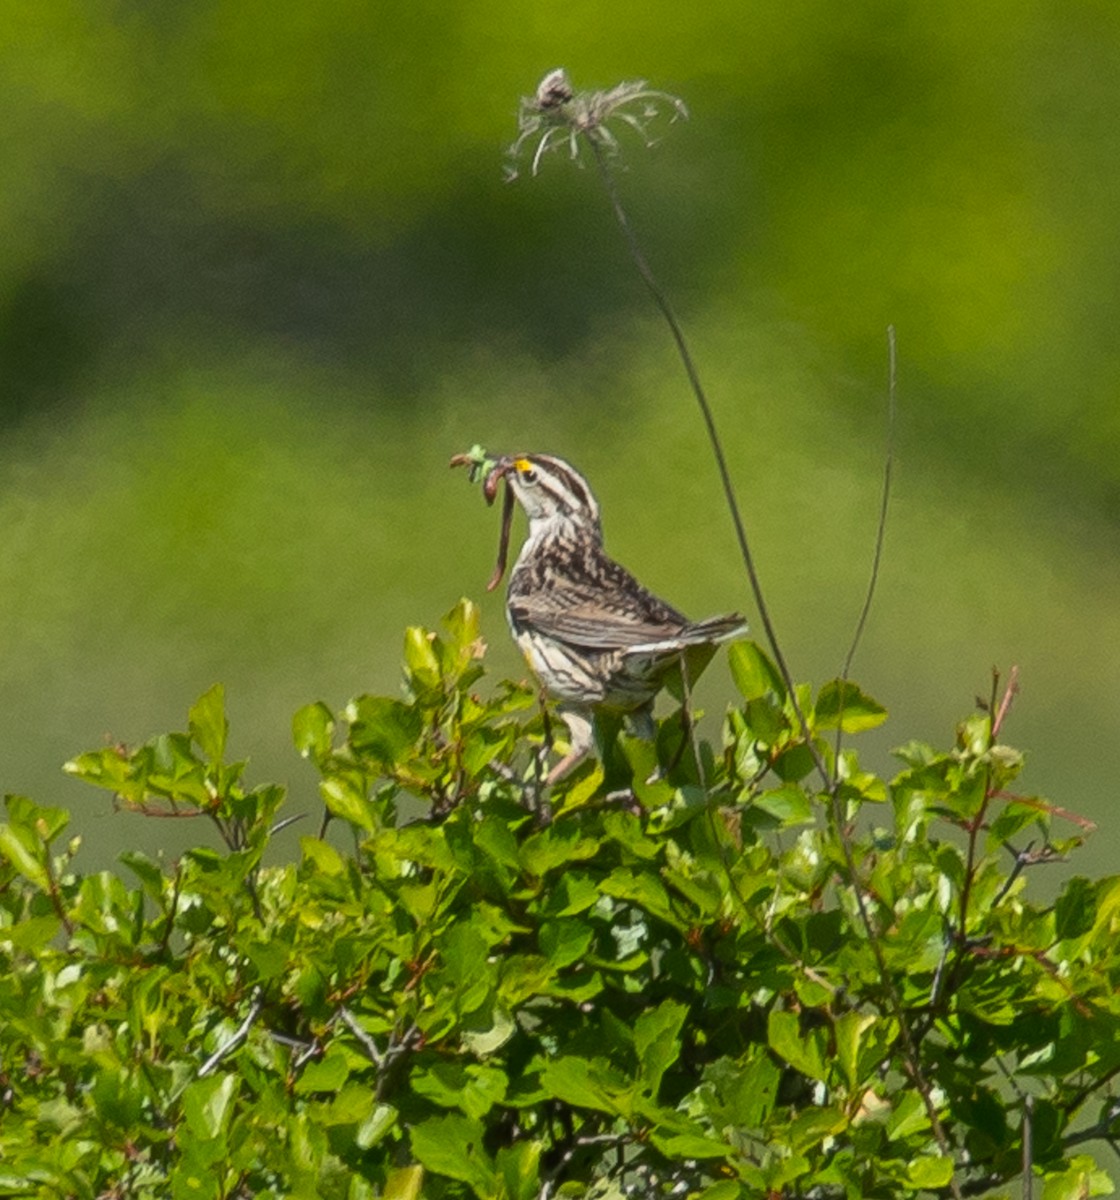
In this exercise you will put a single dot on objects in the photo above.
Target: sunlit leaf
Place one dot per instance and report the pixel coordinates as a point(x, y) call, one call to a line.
point(206, 1104)
point(313, 731)
point(754, 674)
point(842, 703)
point(208, 724)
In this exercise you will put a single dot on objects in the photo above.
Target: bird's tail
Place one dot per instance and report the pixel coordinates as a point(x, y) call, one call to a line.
point(715, 629)
point(710, 632)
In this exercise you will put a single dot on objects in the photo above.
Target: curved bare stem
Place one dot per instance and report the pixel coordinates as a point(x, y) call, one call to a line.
point(666, 309)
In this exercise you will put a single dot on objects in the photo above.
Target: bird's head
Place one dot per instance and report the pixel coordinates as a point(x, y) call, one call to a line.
point(548, 488)
point(552, 492)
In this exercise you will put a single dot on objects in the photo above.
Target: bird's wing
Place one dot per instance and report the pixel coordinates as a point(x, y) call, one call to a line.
point(592, 624)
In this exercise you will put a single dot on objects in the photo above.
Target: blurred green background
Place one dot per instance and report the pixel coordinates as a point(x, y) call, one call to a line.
point(260, 277)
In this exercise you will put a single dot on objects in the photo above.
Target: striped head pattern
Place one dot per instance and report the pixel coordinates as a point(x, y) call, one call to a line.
point(550, 490)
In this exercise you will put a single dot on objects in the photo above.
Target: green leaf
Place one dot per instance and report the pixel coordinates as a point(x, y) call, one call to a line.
point(1081, 1179)
point(804, 1052)
point(679, 1145)
point(483, 1038)
point(811, 1127)
point(404, 1183)
point(754, 674)
point(464, 951)
point(849, 1030)
point(519, 1167)
point(381, 1119)
point(208, 725)
point(643, 887)
point(656, 1042)
point(576, 892)
point(794, 763)
point(626, 829)
point(564, 942)
point(1011, 820)
point(33, 934)
point(930, 1172)
point(206, 1104)
point(384, 728)
point(146, 870)
point(463, 645)
point(909, 1116)
point(463, 624)
point(584, 1083)
point(322, 856)
point(524, 975)
point(41, 824)
point(788, 804)
point(452, 1146)
point(555, 846)
point(421, 660)
point(313, 731)
point(344, 800)
point(19, 848)
point(326, 1075)
point(494, 836)
point(842, 703)
point(474, 1088)
point(1076, 908)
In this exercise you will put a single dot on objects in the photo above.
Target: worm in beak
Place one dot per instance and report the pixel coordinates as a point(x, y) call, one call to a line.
point(490, 490)
point(478, 461)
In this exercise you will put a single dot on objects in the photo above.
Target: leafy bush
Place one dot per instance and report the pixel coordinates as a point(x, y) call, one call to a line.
point(737, 980)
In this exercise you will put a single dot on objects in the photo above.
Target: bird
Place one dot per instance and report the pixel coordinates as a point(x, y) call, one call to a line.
point(594, 637)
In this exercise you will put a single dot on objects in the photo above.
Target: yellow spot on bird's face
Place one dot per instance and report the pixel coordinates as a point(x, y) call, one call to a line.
point(522, 465)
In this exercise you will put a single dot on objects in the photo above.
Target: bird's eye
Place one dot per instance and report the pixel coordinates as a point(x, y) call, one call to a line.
point(527, 471)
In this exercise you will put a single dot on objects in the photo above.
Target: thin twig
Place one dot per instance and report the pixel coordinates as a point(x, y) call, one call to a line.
point(55, 894)
point(235, 1039)
point(366, 1040)
point(285, 822)
point(1009, 695)
point(312, 1050)
point(1023, 858)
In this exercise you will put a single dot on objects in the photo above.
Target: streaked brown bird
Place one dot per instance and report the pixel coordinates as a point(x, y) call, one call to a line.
point(594, 637)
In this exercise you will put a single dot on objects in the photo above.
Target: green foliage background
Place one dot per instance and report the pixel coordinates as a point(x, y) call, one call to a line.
point(764, 971)
point(259, 277)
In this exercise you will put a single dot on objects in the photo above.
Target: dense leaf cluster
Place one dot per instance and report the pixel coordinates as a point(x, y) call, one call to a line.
point(741, 979)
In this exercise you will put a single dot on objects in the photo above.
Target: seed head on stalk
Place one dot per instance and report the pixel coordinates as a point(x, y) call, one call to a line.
point(556, 115)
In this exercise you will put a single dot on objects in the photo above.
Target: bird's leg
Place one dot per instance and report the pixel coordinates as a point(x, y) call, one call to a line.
point(581, 738)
